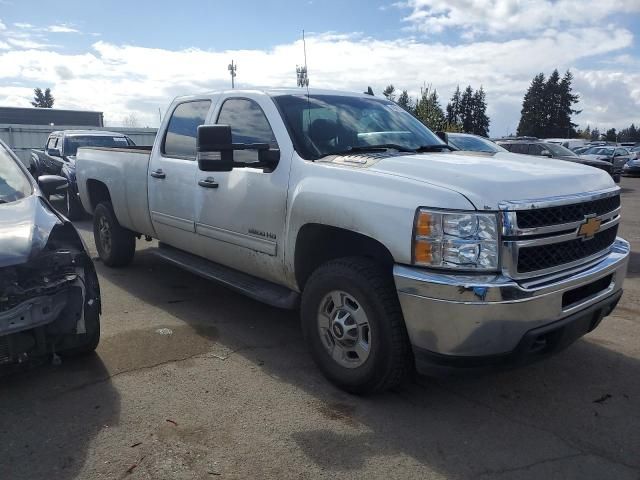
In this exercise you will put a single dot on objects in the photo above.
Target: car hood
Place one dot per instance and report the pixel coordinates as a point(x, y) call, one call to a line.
point(25, 227)
point(488, 181)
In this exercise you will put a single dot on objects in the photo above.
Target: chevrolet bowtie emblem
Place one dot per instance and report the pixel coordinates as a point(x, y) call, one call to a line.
point(589, 228)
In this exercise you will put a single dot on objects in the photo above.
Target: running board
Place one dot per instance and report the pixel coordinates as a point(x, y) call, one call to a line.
point(253, 287)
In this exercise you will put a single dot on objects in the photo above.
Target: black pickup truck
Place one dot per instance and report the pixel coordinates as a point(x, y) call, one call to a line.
point(58, 158)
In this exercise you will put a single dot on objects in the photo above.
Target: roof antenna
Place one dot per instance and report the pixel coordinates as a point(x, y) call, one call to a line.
point(369, 91)
point(302, 72)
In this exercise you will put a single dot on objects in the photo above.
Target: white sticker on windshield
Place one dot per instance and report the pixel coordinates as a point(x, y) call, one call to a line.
point(395, 108)
point(120, 139)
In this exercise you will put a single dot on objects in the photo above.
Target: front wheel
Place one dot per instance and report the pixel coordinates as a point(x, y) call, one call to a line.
point(353, 324)
point(115, 244)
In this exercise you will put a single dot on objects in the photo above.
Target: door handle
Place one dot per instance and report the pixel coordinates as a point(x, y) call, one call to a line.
point(208, 182)
point(158, 173)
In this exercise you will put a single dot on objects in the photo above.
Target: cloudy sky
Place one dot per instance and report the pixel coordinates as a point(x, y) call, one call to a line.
point(133, 57)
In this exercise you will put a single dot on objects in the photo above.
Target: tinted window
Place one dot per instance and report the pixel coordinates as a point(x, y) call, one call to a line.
point(520, 148)
point(14, 183)
point(535, 149)
point(248, 125)
point(473, 144)
point(180, 139)
point(322, 125)
point(52, 143)
point(72, 143)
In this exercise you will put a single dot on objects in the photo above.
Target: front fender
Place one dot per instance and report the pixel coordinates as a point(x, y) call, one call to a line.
point(376, 205)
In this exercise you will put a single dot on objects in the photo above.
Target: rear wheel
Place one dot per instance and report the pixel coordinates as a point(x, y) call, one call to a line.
point(353, 324)
point(116, 245)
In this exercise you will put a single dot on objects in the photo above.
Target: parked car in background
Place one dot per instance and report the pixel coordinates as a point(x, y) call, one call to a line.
point(569, 143)
point(617, 156)
point(398, 251)
point(544, 149)
point(471, 143)
point(58, 158)
point(49, 292)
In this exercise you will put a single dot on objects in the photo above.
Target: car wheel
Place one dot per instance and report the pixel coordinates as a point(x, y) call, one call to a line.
point(73, 208)
point(353, 325)
point(116, 245)
point(85, 344)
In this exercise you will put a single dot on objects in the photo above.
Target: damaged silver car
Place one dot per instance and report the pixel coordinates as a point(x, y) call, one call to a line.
point(49, 292)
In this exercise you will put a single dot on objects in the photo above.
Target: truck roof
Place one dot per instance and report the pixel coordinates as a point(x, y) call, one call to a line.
point(276, 91)
point(97, 133)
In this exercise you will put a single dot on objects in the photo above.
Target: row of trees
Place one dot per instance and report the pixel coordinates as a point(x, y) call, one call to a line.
point(548, 106)
point(629, 134)
point(465, 112)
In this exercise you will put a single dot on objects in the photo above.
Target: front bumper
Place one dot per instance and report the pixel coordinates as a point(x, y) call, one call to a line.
point(467, 317)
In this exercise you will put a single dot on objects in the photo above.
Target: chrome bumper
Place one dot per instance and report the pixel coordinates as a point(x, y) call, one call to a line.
point(477, 316)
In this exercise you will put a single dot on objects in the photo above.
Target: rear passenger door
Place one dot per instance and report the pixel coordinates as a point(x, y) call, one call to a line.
point(172, 174)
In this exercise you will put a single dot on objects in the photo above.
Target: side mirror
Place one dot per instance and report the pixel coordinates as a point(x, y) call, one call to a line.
point(54, 152)
point(546, 153)
point(214, 150)
point(52, 184)
point(443, 136)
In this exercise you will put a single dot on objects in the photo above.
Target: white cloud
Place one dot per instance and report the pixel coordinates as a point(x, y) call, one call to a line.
point(23, 25)
point(510, 16)
point(27, 44)
point(120, 79)
point(62, 28)
point(2, 26)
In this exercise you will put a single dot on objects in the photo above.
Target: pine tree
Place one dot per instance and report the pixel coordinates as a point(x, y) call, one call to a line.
point(389, 92)
point(611, 135)
point(453, 110)
point(595, 134)
point(42, 100)
point(533, 115)
point(429, 111)
point(404, 100)
point(586, 133)
point(565, 109)
point(466, 110)
point(551, 125)
point(479, 113)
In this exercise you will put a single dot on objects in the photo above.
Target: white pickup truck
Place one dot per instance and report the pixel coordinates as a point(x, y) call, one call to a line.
point(398, 251)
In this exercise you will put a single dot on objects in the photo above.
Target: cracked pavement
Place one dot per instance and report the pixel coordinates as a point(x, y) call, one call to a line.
point(229, 391)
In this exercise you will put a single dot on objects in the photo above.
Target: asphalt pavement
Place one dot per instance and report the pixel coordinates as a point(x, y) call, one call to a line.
point(194, 381)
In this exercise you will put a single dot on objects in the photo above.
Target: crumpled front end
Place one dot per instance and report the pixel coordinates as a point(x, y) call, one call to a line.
point(43, 301)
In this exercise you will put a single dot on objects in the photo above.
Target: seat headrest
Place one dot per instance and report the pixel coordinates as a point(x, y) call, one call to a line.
point(322, 130)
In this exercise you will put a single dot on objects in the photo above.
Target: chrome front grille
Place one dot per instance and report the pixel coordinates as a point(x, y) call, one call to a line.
point(546, 236)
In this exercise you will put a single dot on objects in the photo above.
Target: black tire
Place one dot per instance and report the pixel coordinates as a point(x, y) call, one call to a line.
point(390, 359)
point(72, 209)
point(118, 249)
point(86, 344)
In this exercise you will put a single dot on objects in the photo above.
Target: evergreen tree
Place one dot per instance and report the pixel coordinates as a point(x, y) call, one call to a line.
point(429, 111)
point(389, 92)
point(466, 110)
point(532, 115)
point(567, 99)
point(479, 113)
point(586, 133)
point(42, 100)
point(611, 135)
point(551, 107)
point(595, 134)
point(453, 109)
point(404, 100)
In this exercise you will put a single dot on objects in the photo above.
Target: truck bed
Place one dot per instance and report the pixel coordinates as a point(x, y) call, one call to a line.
point(124, 170)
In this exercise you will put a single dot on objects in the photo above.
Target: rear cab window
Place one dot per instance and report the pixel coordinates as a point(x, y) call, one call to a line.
point(180, 137)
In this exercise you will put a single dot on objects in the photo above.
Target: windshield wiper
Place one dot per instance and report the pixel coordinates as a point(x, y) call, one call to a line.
point(433, 148)
point(379, 147)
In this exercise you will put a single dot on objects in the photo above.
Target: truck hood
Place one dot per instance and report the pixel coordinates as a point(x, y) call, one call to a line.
point(25, 227)
point(487, 181)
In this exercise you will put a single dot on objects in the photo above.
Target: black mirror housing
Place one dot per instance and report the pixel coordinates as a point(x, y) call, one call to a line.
point(52, 184)
point(443, 136)
point(54, 152)
point(214, 148)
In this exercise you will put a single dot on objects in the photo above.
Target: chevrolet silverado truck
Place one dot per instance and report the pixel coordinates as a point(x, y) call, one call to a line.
point(59, 158)
point(398, 251)
point(49, 292)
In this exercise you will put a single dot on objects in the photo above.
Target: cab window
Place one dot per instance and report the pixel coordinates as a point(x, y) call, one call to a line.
point(248, 125)
point(180, 138)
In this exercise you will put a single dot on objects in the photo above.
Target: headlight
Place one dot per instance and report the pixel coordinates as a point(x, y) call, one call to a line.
point(465, 241)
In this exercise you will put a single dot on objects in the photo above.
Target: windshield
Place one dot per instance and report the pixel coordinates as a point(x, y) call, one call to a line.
point(600, 151)
point(559, 150)
point(321, 125)
point(14, 183)
point(71, 144)
point(474, 144)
